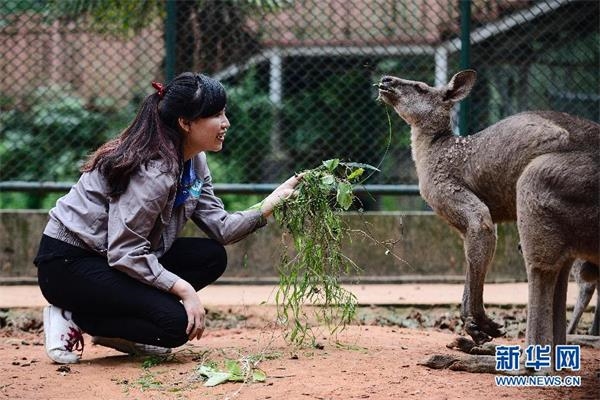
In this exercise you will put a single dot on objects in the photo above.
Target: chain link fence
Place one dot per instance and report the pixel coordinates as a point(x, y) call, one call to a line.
point(299, 74)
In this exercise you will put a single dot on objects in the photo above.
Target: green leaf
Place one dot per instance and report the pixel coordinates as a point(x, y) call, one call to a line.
point(344, 195)
point(328, 180)
point(331, 164)
point(217, 378)
point(214, 377)
point(356, 173)
point(234, 369)
point(360, 165)
point(258, 375)
point(206, 370)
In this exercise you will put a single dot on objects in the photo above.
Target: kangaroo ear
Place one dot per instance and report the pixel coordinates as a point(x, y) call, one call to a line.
point(460, 85)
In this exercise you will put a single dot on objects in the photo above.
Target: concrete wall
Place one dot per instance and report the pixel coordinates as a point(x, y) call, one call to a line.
point(425, 248)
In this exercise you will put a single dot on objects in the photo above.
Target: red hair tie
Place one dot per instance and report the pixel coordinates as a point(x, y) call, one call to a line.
point(160, 89)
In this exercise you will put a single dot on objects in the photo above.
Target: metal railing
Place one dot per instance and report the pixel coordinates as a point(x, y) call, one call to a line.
point(220, 188)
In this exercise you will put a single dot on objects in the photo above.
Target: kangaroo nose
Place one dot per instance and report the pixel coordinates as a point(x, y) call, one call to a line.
point(386, 79)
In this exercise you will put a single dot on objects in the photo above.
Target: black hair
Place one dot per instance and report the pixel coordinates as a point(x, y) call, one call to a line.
point(154, 133)
point(191, 96)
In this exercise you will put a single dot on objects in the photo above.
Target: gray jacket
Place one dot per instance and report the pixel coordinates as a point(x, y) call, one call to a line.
point(139, 226)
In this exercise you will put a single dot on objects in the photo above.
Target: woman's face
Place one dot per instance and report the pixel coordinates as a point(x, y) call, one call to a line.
point(204, 134)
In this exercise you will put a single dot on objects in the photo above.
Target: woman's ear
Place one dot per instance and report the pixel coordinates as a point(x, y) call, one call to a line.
point(184, 124)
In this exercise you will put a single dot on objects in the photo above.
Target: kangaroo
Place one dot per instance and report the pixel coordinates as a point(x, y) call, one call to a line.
point(587, 277)
point(539, 168)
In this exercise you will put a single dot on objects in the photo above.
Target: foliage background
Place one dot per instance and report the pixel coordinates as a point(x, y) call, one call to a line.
point(299, 76)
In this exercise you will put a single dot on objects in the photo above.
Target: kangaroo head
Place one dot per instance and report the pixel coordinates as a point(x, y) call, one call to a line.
point(423, 106)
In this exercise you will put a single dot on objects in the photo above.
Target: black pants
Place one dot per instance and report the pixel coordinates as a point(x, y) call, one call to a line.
point(107, 302)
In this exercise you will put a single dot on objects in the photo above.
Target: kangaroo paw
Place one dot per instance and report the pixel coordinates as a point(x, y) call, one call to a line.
point(483, 329)
point(492, 328)
point(476, 332)
point(466, 345)
point(463, 344)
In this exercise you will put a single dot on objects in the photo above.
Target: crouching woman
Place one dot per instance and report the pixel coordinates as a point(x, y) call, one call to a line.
point(110, 261)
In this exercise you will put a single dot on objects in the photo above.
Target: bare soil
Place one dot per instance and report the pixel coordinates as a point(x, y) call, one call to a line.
point(376, 358)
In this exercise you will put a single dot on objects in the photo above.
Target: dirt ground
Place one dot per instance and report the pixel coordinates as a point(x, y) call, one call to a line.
point(376, 358)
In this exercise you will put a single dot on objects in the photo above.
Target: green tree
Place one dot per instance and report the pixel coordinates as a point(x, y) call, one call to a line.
point(209, 33)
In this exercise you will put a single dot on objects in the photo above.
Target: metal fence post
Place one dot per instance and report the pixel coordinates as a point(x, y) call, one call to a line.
point(170, 39)
point(464, 115)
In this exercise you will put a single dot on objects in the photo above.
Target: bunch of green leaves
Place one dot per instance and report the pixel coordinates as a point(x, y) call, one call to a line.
point(309, 274)
point(235, 371)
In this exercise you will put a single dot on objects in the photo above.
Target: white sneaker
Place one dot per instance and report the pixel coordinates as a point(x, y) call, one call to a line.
point(62, 336)
point(129, 347)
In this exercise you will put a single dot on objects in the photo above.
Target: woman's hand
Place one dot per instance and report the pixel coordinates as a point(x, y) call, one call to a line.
point(283, 191)
point(193, 308)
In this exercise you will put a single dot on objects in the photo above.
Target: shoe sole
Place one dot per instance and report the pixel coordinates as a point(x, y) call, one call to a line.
point(128, 347)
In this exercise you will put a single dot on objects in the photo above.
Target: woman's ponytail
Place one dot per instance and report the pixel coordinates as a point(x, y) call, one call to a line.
point(145, 139)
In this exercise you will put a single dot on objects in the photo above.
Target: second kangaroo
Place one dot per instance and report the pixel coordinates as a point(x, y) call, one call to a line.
point(540, 169)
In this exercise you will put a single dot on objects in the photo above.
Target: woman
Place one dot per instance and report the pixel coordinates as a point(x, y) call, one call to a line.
point(110, 263)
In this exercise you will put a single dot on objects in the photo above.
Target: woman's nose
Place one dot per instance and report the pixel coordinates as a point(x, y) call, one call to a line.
point(225, 123)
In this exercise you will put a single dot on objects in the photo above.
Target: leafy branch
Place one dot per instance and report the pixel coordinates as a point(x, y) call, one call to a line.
point(309, 274)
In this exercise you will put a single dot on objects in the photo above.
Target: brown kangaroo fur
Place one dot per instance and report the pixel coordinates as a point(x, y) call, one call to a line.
point(587, 277)
point(540, 169)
